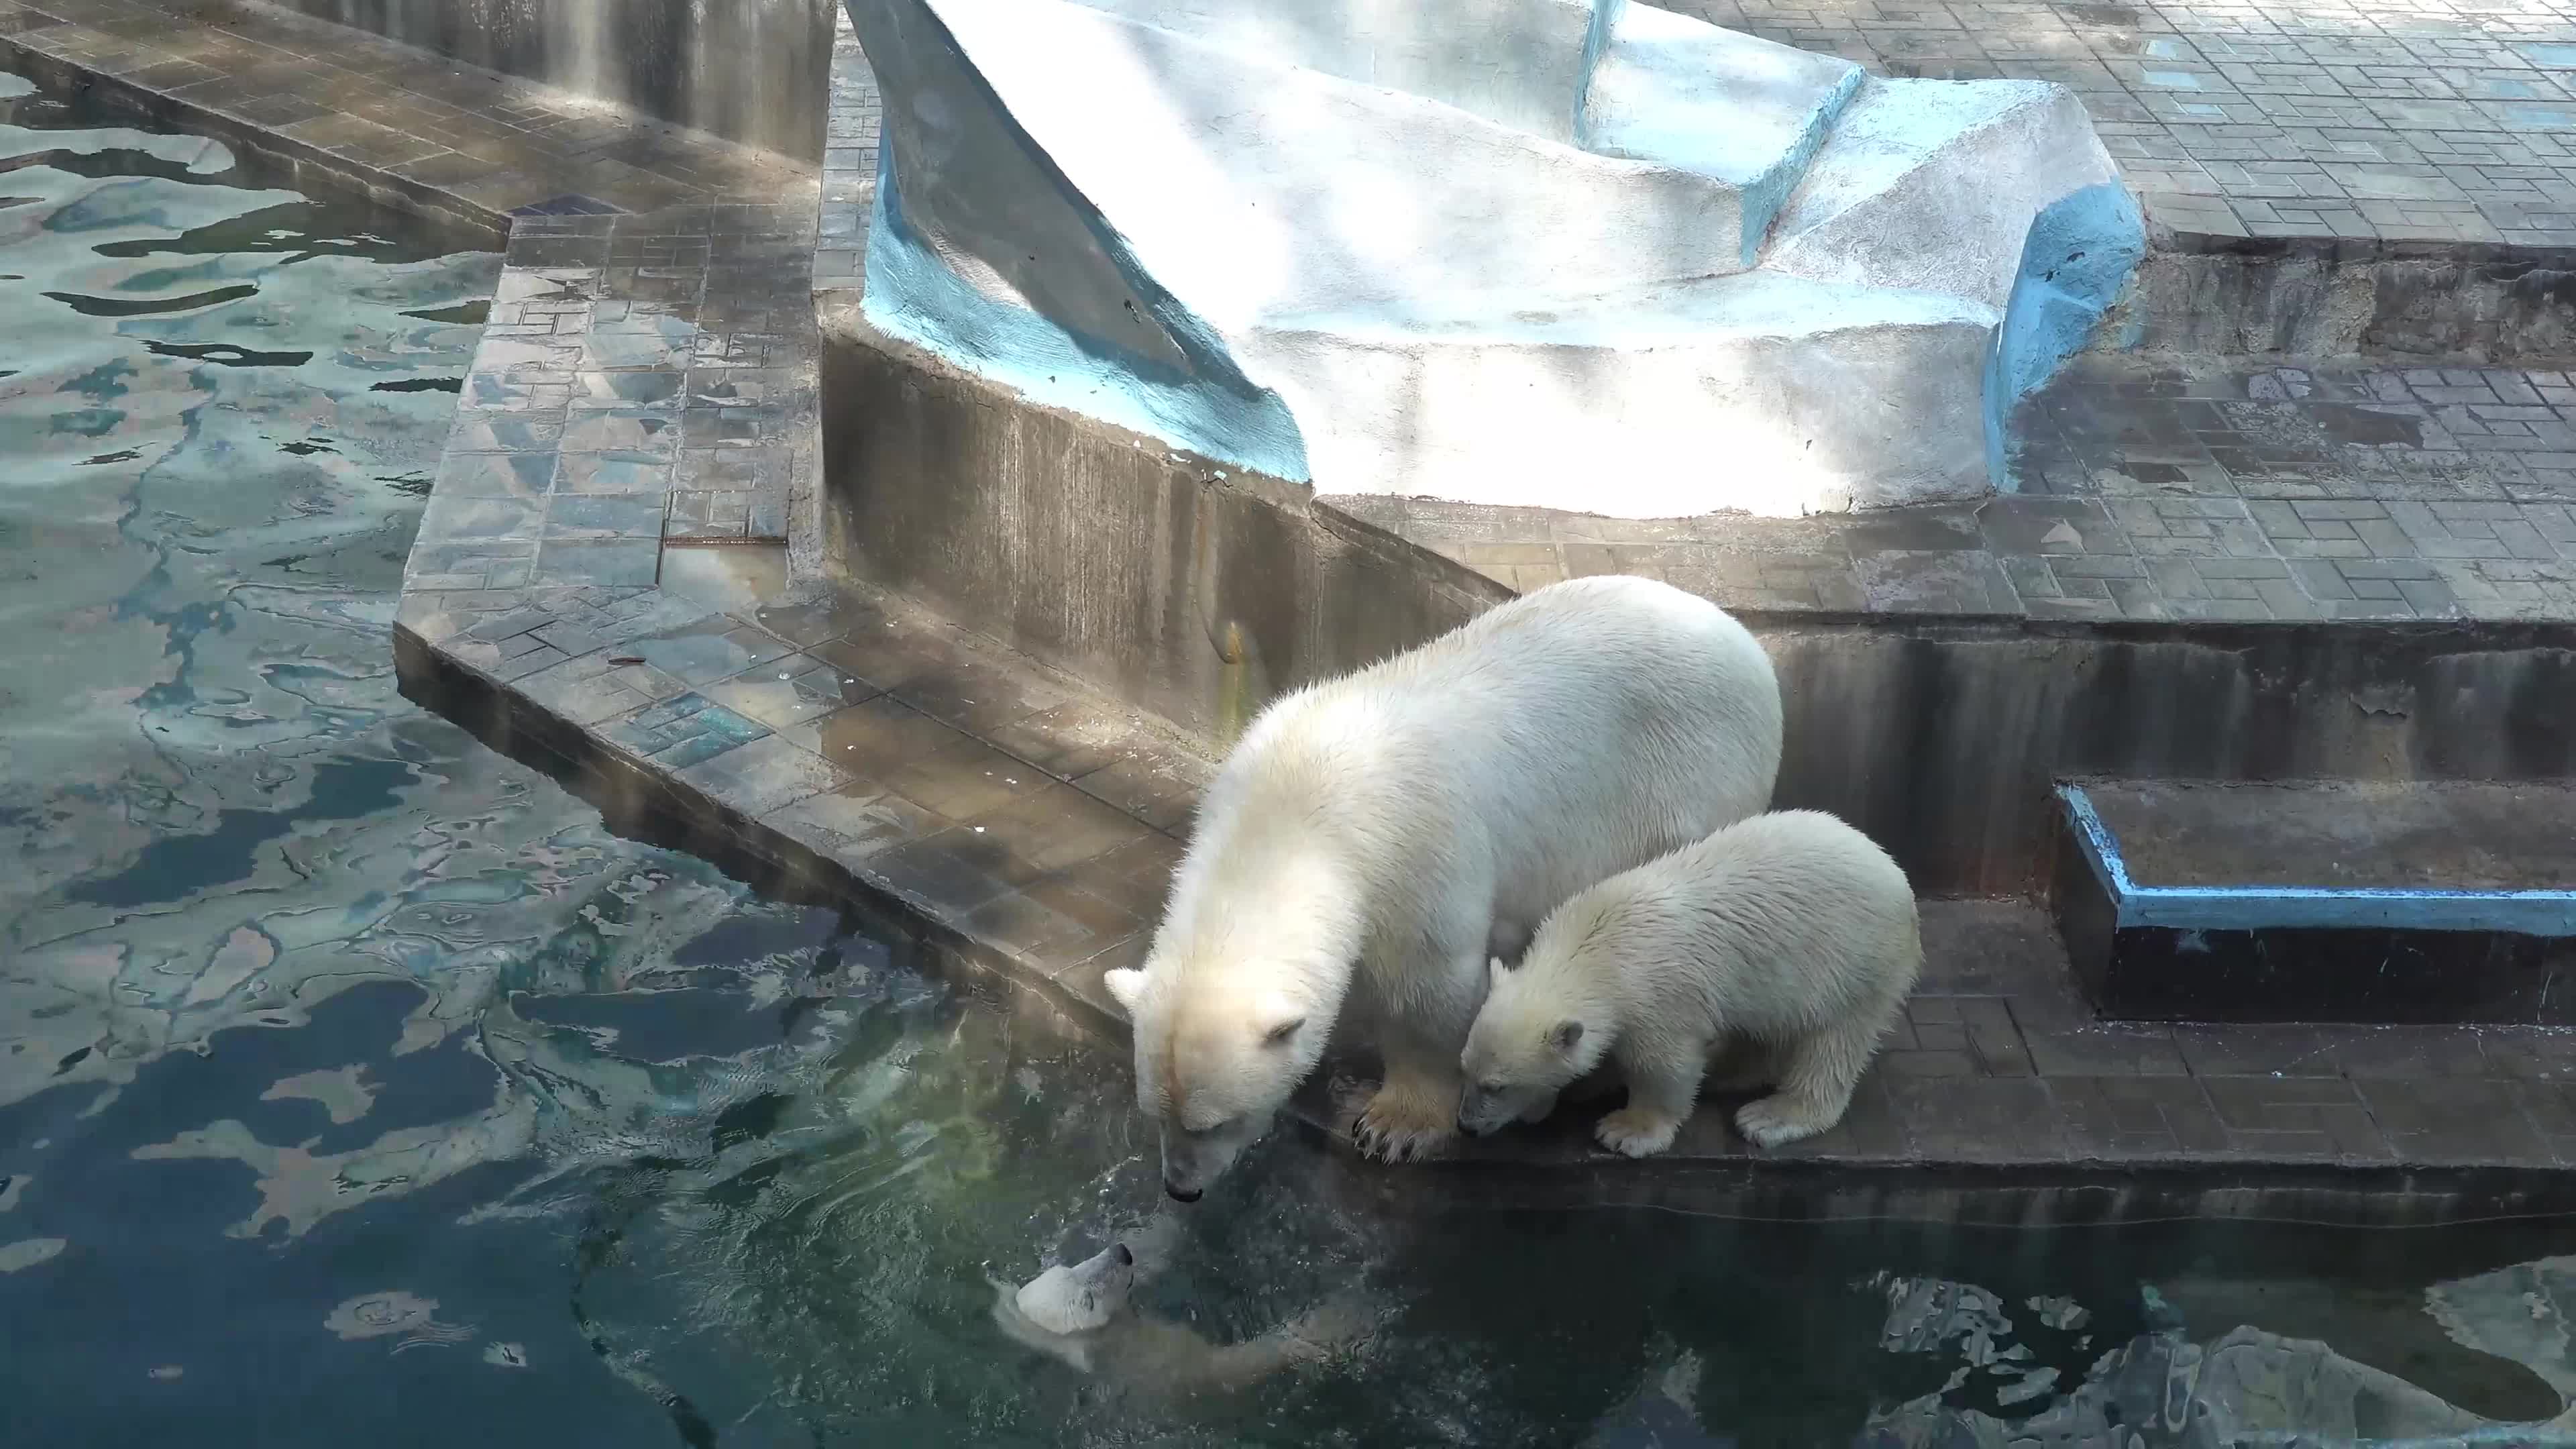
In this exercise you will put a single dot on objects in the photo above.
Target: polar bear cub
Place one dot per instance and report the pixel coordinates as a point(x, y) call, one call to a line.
point(1373, 840)
point(1792, 931)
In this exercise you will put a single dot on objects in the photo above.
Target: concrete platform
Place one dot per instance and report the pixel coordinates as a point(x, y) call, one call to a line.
point(2372, 121)
point(2376, 901)
point(355, 111)
point(1051, 873)
point(2367, 177)
point(2456, 836)
point(2151, 490)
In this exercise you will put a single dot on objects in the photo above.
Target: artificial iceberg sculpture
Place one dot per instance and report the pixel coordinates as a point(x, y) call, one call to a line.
point(1577, 254)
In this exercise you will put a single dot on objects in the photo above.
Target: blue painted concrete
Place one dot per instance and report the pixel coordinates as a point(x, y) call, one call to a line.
point(1596, 39)
point(1218, 412)
point(1766, 194)
point(2258, 908)
point(2075, 264)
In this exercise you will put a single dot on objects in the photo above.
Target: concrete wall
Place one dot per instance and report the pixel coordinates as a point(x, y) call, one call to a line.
point(1196, 597)
point(1520, 63)
point(753, 71)
point(1187, 592)
point(2303, 300)
point(1942, 738)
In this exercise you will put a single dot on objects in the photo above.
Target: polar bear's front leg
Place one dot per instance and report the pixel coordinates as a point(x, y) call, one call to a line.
point(1816, 1090)
point(1425, 1005)
point(1659, 1102)
point(1414, 1113)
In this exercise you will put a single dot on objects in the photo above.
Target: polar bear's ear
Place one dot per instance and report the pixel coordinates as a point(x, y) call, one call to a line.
point(1494, 968)
point(1565, 1036)
point(1126, 987)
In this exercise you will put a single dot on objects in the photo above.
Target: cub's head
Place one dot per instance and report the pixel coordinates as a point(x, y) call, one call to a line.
point(1531, 1039)
point(1053, 1310)
point(1218, 1053)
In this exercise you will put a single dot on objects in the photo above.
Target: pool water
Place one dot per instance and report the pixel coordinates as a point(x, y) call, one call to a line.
point(357, 1086)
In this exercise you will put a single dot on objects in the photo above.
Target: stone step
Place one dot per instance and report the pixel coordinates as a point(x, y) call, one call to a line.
point(1827, 395)
point(2321, 901)
point(1746, 112)
point(1933, 186)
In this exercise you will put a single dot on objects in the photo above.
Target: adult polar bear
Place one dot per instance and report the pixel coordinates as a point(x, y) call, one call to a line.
point(1382, 835)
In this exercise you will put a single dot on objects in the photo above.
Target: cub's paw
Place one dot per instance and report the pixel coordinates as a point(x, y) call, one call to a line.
point(1776, 1121)
point(1637, 1132)
point(1400, 1126)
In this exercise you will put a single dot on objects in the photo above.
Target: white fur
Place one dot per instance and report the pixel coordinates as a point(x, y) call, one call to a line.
point(1081, 1315)
point(1791, 930)
point(1378, 836)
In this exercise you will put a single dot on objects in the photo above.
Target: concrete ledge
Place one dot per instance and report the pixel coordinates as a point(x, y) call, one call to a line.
point(2184, 945)
point(349, 111)
point(1999, 1077)
point(645, 804)
point(1945, 1197)
point(678, 60)
point(2313, 297)
point(1045, 861)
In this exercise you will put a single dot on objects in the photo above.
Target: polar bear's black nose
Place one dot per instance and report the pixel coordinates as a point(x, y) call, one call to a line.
point(1124, 1257)
point(1182, 1194)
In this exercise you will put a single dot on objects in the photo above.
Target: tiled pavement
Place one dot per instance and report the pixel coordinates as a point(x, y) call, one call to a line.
point(1999, 1062)
point(2442, 121)
point(2156, 491)
point(842, 739)
point(641, 378)
point(647, 384)
point(471, 142)
point(849, 165)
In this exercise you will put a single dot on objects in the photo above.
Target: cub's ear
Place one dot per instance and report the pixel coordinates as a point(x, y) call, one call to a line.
point(1567, 1033)
point(1494, 968)
point(1280, 1032)
point(1126, 987)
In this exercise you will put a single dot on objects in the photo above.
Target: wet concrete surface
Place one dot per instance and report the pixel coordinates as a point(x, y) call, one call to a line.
point(2420, 835)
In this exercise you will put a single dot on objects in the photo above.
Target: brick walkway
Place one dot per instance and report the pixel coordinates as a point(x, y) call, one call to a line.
point(1998, 1061)
point(641, 378)
point(2394, 120)
point(2152, 491)
point(470, 142)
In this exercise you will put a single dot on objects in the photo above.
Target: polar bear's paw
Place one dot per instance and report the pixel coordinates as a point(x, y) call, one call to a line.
point(1399, 1125)
point(1637, 1131)
point(1777, 1121)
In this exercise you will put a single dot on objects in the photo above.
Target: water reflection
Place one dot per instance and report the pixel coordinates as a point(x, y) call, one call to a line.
point(267, 930)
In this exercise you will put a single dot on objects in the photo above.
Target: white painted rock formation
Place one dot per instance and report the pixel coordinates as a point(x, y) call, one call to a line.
point(1580, 254)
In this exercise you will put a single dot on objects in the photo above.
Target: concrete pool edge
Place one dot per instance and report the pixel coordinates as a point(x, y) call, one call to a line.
point(2089, 1160)
point(350, 112)
point(640, 801)
point(1969, 1087)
